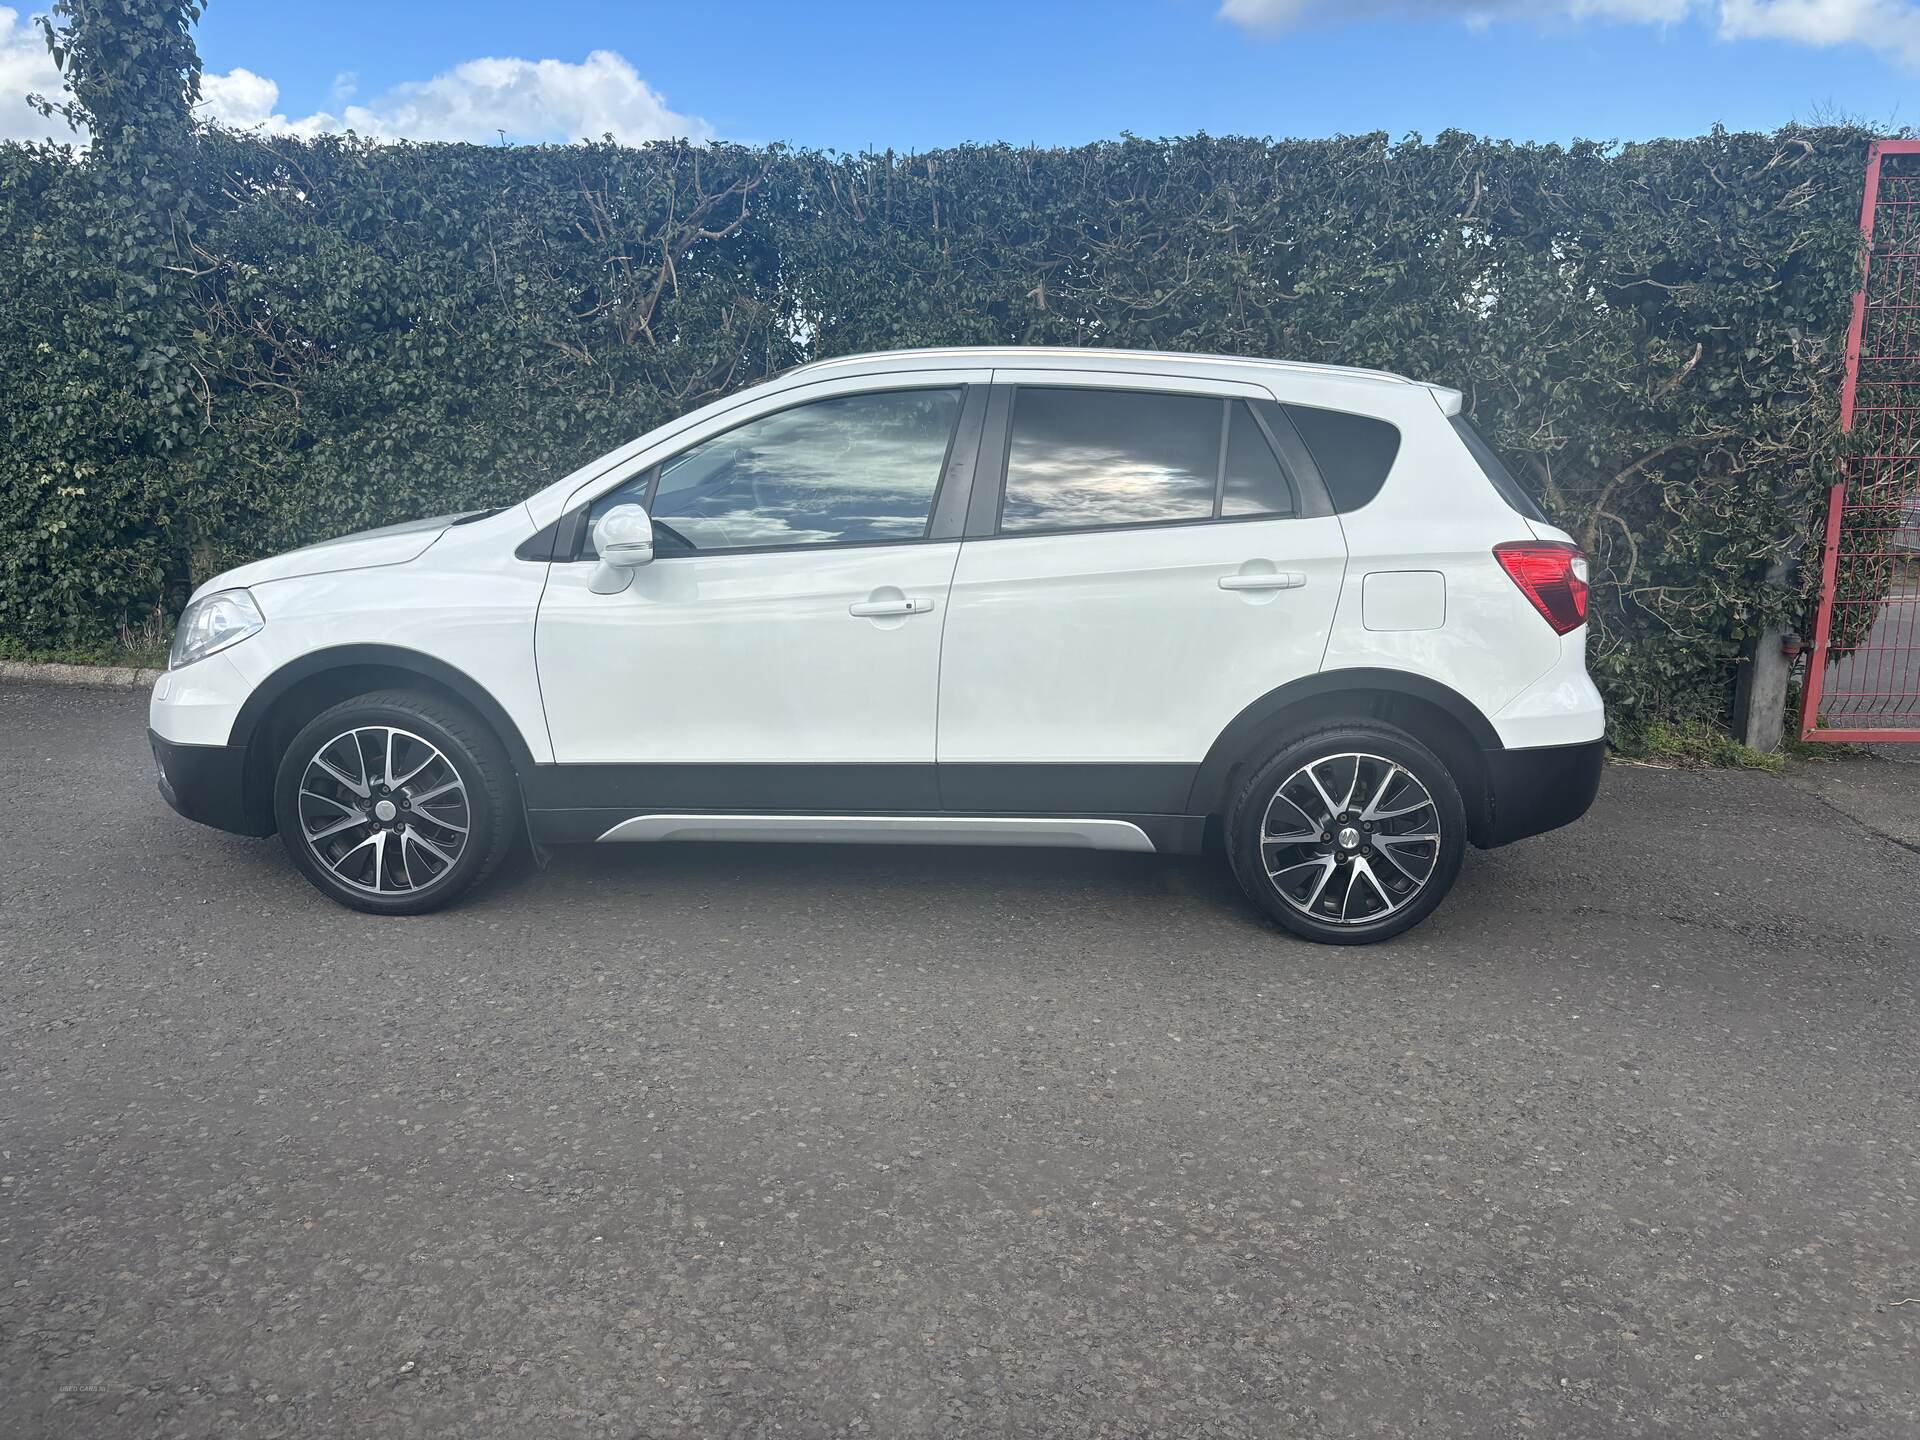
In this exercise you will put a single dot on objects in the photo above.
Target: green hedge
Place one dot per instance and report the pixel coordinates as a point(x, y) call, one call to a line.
point(226, 345)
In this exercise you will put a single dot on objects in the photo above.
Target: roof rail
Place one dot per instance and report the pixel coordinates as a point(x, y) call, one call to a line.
point(1014, 353)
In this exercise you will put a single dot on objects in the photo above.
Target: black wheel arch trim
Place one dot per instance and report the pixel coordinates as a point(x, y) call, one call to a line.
point(1569, 773)
point(393, 657)
point(209, 784)
point(1255, 722)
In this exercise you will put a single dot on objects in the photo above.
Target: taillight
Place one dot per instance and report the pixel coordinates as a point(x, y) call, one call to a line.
point(1553, 575)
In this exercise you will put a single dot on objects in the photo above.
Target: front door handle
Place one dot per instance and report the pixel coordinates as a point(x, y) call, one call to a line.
point(1273, 580)
point(905, 605)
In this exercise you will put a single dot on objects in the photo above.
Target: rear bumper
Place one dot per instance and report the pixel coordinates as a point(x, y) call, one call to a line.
point(1531, 791)
point(210, 783)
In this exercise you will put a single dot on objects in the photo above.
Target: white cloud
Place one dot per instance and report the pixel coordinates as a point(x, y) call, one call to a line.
point(528, 100)
point(1890, 26)
point(1272, 16)
point(240, 98)
point(27, 69)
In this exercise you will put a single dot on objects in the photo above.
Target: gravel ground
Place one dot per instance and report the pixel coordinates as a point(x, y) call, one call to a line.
point(796, 1142)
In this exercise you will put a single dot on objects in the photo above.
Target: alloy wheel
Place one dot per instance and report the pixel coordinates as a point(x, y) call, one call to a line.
point(384, 810)
point(1350, 839)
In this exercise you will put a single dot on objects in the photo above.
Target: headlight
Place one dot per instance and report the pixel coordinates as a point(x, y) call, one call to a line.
point(213, 622)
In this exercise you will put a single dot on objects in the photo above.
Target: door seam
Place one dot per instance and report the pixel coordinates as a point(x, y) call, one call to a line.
point(940, 666)
point(1339, 592)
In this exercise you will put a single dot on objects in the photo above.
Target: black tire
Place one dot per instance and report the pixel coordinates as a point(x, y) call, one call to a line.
point(468, 748)
point(1377, 912)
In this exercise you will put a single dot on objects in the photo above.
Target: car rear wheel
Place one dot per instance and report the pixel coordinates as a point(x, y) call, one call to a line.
point(1348, 835)
point(395, 803)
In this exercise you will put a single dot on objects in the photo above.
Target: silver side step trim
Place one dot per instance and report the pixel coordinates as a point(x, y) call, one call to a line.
point(889, 830)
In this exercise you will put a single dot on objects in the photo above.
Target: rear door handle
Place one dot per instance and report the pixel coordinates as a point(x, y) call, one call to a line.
point(1262, 582)
point(907, 605)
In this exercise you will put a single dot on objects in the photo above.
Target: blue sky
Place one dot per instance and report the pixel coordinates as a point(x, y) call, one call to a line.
point(854, 75)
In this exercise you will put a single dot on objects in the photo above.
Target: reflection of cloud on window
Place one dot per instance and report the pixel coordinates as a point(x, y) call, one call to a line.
point(859, 467)
point(732, 529)
point(1085, 486)
point(1083, 458)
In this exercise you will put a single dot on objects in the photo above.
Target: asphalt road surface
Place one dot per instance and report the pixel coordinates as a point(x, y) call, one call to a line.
point(794, 1142)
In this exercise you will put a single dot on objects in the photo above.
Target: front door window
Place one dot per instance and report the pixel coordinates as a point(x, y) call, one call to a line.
point(852, 470)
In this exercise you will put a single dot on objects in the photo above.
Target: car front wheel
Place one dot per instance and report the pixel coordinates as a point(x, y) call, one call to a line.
point(394, 803)
point(1348, 835)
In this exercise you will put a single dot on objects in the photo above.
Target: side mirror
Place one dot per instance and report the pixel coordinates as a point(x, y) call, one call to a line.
point(624, 539)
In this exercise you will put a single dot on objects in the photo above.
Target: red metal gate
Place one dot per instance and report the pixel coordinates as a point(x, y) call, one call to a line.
point(1863, 673)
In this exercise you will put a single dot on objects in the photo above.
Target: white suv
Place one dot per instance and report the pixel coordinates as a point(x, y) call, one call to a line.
point(1117, 600)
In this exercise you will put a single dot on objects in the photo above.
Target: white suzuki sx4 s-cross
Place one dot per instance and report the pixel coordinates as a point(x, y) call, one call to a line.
point(1118, 600)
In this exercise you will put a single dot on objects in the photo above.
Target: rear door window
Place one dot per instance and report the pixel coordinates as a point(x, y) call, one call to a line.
point(1253, 482)
point(1081, 459)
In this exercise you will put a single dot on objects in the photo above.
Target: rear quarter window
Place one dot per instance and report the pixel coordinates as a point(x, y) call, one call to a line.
point(1495, 469)
point(1353, 452)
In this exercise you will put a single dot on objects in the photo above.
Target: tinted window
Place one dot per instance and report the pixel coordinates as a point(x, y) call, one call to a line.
point(1353, 452)
point(1254, 483)
point(1081, 458)
point(857, 468)
point(1496, 471)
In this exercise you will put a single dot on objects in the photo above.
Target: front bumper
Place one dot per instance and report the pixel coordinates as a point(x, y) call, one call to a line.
point(213, 784)
point(1531, 791)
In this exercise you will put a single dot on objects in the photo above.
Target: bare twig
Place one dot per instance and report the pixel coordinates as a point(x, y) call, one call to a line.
point(1606, 491)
